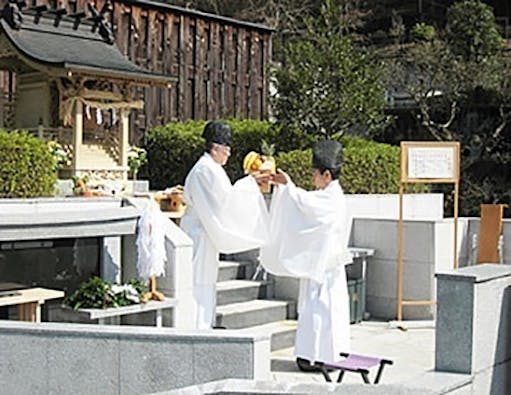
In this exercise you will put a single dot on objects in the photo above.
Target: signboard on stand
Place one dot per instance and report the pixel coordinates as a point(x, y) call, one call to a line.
point(429, 163)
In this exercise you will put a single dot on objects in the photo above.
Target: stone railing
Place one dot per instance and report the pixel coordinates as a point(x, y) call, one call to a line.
point(56, 358)
point(473, 329)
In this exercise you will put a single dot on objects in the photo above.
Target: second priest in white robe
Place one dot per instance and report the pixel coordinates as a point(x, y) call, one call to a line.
point(220, 217)
point(309, 240)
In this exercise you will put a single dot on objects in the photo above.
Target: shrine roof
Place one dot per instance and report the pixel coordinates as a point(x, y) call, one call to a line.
point(77, 43)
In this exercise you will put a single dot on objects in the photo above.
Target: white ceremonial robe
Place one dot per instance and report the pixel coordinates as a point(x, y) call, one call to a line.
point(309, 240)
point(220, 217)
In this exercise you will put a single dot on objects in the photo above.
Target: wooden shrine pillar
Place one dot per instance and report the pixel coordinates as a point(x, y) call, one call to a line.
point(77, 135)
point(124, 141)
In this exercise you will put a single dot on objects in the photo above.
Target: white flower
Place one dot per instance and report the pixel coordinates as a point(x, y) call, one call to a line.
point(129, 291)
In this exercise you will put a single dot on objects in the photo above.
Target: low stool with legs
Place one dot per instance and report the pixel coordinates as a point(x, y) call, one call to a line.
point(355, 363)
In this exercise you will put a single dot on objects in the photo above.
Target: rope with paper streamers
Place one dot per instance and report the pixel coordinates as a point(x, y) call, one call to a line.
point(151, 248)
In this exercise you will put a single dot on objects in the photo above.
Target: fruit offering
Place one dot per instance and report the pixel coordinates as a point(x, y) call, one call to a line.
point(257, 163)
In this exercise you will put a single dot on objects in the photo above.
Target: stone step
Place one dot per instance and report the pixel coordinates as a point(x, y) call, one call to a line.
point(283, 360)
point(232, 270)
point(252, 313)
point(96, 156)
point(99, 155)
point(282, 333)
point(235, 291)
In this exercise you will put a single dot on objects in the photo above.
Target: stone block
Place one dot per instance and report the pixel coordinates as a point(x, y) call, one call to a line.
point(209, 361)
point(454, 326)
point(88, 365)
point(19, 362)
point(152, 365)
point(492, 324)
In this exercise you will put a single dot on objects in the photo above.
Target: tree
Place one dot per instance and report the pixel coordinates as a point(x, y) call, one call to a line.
point(327, 85)
point(459, 81)
point(282, 15)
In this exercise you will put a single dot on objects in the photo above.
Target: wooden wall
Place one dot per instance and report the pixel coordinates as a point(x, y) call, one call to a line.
point(221, 64)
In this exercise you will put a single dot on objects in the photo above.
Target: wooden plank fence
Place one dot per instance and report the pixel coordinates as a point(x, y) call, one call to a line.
point(220, 63)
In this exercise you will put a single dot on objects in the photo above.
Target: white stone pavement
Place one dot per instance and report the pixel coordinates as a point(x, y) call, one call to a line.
point(411, 350)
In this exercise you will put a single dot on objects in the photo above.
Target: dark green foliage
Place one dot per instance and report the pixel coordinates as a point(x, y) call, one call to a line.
point(460, 83)
point(97, 293)
point(327, 85)
point(174, 148)
point(247, 136)
point(369, 167)
point(27, 168)
point(472, 33)
point(297, 164)
point(171, 151)
point(423, 32)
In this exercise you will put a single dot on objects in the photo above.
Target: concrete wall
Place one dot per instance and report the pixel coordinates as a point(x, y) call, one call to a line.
point(54, 358)
point(428, 248)
point(415, 206)
point(473, 329)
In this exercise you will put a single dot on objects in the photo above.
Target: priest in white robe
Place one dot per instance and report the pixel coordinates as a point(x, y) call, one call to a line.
point(309, 239)
point(220, 217)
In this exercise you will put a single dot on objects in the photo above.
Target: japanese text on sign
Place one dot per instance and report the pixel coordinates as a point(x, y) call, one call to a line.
point(431, 162)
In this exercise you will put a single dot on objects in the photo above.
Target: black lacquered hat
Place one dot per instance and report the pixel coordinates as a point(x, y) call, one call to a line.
point(217, 132)
point(327, 154)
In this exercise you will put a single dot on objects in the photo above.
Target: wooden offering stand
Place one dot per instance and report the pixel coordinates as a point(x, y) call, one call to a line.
point(152, 294)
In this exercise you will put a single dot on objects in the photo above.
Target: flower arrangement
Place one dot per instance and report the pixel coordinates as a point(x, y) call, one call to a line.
point(97, 293)
point(59, 153)
point(137, 157)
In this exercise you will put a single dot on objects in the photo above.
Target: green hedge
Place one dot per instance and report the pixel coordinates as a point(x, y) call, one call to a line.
point(173, 149)
point(171, 152)
point(369, 167)
point(27, 168)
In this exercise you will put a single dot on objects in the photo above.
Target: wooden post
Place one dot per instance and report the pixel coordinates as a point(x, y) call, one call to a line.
point(124, 140)
point(77, 135)
point(400, 255)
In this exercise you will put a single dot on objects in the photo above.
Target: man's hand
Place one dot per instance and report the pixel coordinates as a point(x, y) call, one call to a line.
point(280, 177)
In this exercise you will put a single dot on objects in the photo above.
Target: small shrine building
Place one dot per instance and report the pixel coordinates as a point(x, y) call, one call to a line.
point(73, 84)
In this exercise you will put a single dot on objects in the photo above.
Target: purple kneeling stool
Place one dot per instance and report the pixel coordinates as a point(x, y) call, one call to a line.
point(355, 363)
